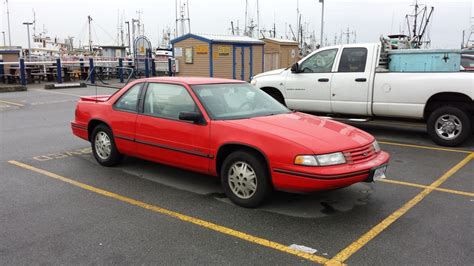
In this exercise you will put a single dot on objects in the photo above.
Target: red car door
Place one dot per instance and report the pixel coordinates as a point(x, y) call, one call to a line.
point(123, 119)
point(162, 137)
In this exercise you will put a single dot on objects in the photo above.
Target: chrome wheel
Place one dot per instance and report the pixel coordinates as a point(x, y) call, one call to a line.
point(103, 145)
point(242, 180)
point(448, 127)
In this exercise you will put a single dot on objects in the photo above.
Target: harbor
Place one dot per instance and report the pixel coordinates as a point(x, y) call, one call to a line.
point(187, 132)
point(243, 52)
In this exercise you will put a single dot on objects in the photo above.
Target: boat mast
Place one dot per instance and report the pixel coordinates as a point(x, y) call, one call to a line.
point(189, 17)
point(414, 21)
point(89, 20)
point(9, 30)
point(245, 24)
point(258, 21)
point(34, 23)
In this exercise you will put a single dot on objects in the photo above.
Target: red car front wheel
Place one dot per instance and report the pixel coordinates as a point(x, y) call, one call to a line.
point(245, 179)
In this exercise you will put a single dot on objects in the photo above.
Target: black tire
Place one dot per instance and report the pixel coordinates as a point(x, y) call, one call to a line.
point(114, 156)
point(462, 117)
point(258, 166)
point(277, 96)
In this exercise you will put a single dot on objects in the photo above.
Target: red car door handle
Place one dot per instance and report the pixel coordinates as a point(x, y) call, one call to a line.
point(360, 79)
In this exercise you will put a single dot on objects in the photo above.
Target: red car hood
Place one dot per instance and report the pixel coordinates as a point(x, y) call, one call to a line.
point(317, 134)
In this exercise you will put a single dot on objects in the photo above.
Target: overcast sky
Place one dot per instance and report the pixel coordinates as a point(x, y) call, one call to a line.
point(369, 18)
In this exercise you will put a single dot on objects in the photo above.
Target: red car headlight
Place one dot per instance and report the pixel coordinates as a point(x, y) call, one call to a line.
point(320, 160)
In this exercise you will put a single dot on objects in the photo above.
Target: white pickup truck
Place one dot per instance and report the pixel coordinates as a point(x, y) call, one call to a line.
point(353, 81)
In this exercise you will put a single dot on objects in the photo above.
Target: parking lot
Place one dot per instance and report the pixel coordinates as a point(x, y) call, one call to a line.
point(59, 206)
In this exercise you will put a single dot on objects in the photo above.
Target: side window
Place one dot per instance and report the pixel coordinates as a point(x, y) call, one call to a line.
point(168, 100)
point(128, 101)
point(353, 60)
point(320, 62)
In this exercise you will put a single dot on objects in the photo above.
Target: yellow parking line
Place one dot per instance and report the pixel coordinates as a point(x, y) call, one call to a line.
point(179, 216)
point(458, 192)
point(57, 92)
point(344, 254)
point(424, 147)
point(11, 103)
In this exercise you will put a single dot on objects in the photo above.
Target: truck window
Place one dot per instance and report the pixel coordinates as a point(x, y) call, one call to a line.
point(353, 60)
point(320, 62)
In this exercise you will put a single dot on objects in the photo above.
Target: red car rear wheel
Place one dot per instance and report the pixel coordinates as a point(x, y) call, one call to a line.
point(103, 146)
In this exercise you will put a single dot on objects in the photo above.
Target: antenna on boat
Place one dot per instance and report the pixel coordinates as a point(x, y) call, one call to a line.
point(34, 23)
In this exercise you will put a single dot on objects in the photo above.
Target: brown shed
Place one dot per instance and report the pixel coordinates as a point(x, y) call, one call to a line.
point(10, 55)
point(233, 57)
point(280, 53)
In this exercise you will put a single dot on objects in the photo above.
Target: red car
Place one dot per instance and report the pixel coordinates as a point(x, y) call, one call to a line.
point(227, 128)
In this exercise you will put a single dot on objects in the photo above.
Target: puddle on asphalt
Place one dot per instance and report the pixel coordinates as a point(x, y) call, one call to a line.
point(317, 205)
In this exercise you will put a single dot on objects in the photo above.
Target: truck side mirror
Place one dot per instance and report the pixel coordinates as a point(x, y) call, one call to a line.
point(295, 68)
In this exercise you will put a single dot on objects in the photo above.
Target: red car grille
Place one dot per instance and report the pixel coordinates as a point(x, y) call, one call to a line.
point(359, 155)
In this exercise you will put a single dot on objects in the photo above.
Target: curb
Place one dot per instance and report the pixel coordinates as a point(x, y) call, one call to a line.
point(12, 88)
point(64, 86)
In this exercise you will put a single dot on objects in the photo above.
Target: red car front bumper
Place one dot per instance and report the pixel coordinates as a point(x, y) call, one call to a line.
point(308, 179)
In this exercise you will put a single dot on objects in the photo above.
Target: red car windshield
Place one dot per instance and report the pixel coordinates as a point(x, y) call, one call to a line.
point(236, 101)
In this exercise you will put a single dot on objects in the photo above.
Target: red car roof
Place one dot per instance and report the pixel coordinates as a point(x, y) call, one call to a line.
point(195, 80)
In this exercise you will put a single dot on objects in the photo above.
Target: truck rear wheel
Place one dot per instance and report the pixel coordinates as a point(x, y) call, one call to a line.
point(449, 126)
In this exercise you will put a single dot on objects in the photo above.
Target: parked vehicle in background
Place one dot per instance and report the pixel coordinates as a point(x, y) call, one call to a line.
point(354, 81)
point(230, 129)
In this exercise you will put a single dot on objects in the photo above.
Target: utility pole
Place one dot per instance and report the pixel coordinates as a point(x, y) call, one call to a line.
point(89, 20)
point(322, 21)
point(9, 30)
point(29, 42)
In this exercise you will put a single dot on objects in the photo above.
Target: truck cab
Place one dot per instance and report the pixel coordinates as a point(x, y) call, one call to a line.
point(334, 79)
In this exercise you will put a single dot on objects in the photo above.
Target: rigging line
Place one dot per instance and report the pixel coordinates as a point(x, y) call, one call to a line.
point(100, 27)
point(81, 33)
point(97, 36)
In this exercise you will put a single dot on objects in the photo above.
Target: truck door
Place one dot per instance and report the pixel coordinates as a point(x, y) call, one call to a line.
point(309, 88)
point(350, 84)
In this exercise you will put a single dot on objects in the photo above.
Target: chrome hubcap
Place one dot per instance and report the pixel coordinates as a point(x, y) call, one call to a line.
point(242, 180)
point(448, 127)
point(103, 146)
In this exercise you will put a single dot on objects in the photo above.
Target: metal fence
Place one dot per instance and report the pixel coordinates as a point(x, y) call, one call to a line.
point(88, 70)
